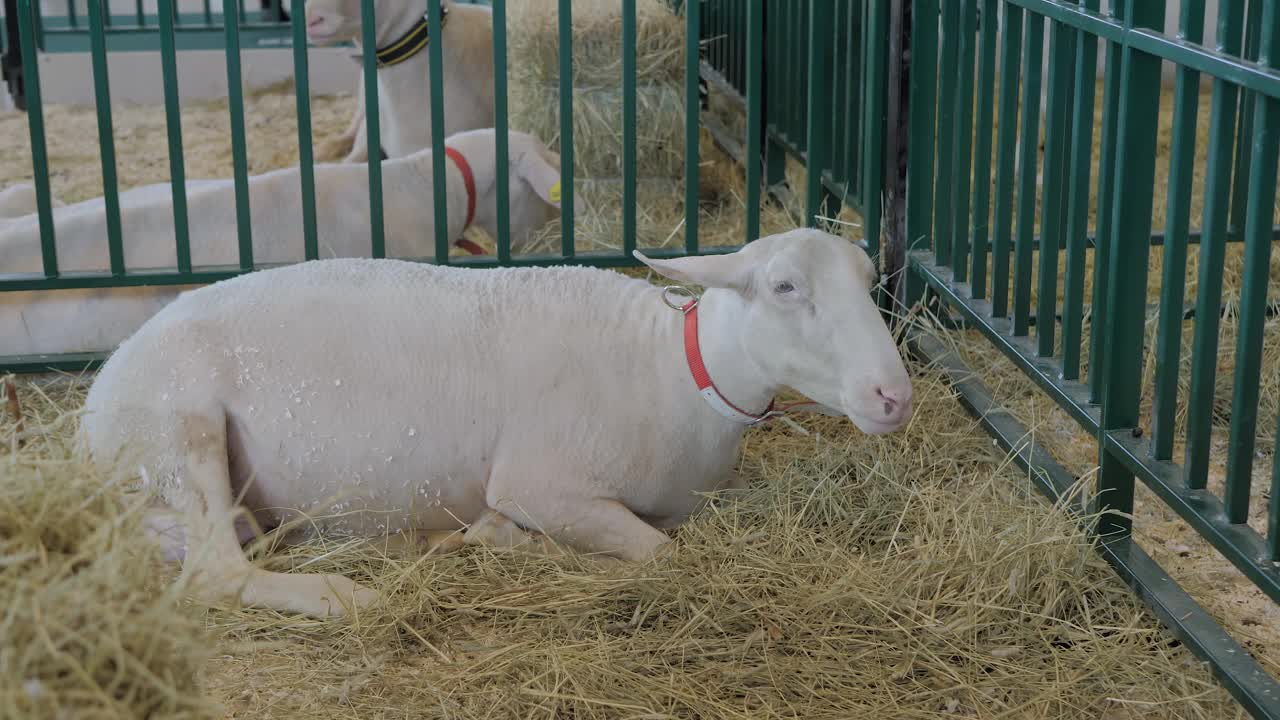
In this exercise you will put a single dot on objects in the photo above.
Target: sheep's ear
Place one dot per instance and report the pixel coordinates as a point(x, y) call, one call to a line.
point(542, 176)
point(731, 271)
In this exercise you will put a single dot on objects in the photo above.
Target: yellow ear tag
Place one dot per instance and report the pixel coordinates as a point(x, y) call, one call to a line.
point(555, 192)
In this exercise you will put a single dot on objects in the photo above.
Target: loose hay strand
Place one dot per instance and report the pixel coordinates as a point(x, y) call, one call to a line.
point(92, 623)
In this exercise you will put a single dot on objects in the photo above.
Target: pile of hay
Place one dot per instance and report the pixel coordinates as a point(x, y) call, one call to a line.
point(534, 65)
point(533, 30)
point(90, 624)
point(907, 576)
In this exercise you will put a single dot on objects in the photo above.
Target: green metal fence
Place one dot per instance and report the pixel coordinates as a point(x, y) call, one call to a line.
point(972, 200)
point(827, 105)
point(820, 132)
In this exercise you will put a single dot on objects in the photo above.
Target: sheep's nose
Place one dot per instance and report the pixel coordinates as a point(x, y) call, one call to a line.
point(896, 400)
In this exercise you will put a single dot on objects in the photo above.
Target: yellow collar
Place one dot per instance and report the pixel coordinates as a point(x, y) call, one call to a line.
point(411, 43)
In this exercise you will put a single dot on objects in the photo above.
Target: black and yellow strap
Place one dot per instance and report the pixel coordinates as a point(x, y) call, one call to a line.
point(411, 43)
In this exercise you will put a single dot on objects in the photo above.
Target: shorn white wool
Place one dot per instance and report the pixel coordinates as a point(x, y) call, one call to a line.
point(404, 85)
point(60, 321)
point(396, 397)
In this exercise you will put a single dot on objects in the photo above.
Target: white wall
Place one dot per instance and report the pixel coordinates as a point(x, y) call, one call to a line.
point(136, 78)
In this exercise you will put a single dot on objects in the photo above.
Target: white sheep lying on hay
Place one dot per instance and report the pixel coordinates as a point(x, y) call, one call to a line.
point(58, 321)
point(573, 401)
point(404, 80)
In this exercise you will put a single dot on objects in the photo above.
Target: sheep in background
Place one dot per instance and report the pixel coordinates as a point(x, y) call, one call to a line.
point(60, 321)
point(404, 81)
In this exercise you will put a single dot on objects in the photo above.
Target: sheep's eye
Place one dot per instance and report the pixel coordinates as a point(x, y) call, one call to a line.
point(783, 288)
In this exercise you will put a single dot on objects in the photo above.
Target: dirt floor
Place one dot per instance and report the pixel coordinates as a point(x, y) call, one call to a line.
point(487, 632)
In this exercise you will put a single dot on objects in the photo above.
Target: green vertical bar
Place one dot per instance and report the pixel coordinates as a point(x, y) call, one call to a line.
point(373, 133)
point(1244, 131)
point(692, 12)
point(1032, 50)
point(776, 108)
point(1106, 184)
point(1081, 152)
point(306, 153)
point(1127, 279)
point(920, 135)
point(982, 150)
point(173, 124)
point(962, 141)
point(501, 128)
point(1273, 512)
point(628, 126)
point(838, 27)
point(1213, 237)
point(799, 89)
point(876, 31)
point(1265, 147)
point(139, 14)
point(1177, 227)
point(239, 159)
point(818, 113)
point(860, 91)
point(846, 125)
point(1057, 129)
point(755, 108)
point(35, 128)
point(1006, 149)
point(943, 217)
point(106, 136)
point(566, 119)
point(716, 24)
point(208, 12)
point(786, 48)
point(72, 17)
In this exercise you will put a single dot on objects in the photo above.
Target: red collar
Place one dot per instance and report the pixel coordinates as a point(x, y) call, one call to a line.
point(702, 378)
point(468, 181)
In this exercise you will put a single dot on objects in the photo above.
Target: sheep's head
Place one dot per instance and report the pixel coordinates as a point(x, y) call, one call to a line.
point(535, 187)
point(808, 321)
point(333, 21)
point(533, 174)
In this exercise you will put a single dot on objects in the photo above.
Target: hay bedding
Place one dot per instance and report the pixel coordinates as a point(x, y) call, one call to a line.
point(909, 576)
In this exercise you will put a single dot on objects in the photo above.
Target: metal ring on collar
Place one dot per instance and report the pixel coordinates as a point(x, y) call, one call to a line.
point(680, 290)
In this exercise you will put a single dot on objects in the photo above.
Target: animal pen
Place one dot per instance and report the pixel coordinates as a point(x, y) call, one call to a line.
point(1034, 226)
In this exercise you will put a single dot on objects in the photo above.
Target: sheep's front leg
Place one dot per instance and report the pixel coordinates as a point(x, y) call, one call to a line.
point(493, 529)
point(359, 146)
point(596, 525)
point(341, 146)
point(426, 542)
point(215, 564)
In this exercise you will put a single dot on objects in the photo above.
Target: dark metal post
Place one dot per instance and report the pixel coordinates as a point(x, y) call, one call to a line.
point(11, 60)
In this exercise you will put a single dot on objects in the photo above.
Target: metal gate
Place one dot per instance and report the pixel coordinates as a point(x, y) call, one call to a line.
point(974, 243)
